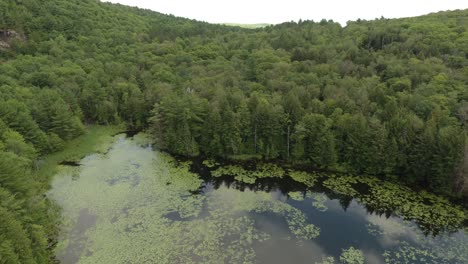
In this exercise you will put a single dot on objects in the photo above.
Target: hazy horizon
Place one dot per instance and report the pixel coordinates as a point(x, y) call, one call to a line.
point(268, 12)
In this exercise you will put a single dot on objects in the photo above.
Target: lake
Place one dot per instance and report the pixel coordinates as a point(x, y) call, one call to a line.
point(133, 204)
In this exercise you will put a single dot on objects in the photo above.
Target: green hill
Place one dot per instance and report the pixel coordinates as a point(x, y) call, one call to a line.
point(251, 26)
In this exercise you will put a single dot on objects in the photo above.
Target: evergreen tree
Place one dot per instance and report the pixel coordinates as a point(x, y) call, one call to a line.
point(314, 141)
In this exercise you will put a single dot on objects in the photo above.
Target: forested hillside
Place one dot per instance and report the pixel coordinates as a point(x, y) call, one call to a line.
point(383, 97)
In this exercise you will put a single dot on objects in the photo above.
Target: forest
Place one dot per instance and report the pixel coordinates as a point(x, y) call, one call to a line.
point(387, 97)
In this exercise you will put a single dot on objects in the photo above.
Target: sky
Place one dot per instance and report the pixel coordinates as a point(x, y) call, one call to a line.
point(273, 12)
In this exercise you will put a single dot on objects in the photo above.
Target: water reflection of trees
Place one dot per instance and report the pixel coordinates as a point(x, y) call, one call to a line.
point(285, 185)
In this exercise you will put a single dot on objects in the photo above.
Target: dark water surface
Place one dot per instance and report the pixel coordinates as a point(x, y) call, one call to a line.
point(137, 205)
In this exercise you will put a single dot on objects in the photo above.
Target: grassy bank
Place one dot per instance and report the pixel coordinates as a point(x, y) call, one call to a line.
point(95, 139)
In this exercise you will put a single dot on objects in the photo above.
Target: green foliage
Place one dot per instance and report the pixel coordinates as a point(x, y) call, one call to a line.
point(314, 141)
point(177, 123)
point(14, 142)
point(28, 221)
point(55, 143)
point(363, 98)
point(54, 115)
point(14, 240)
point(373, 97)
point(15, 173)
point(17, 116)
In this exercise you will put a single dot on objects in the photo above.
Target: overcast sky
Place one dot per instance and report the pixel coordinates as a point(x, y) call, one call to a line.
point(272, 11)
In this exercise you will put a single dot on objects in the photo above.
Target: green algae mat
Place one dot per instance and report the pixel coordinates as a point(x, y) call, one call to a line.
point(133, 204)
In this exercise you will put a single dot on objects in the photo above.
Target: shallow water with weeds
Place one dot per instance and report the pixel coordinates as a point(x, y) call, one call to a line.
point(136, 205)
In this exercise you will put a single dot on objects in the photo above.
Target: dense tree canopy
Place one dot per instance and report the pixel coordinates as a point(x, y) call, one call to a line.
point(383, 97)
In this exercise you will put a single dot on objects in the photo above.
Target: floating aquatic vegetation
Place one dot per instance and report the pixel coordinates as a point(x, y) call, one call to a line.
point(444, 248)
point(308, 179)
point(342, 185)
point(318, 201)
point(268, 170)
point(147, 208)
point(326, 260)
point(374, 229)
point(232, 170)
point(431, 211)
point(210, 163)
point(394, 232)
point(239, 173)
point(410, 254)
point(388, 227)
point(265, 170)
point(142, 139)
point(157, 219)
point(298, 196)
point(230, 201)
point(352, 256)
